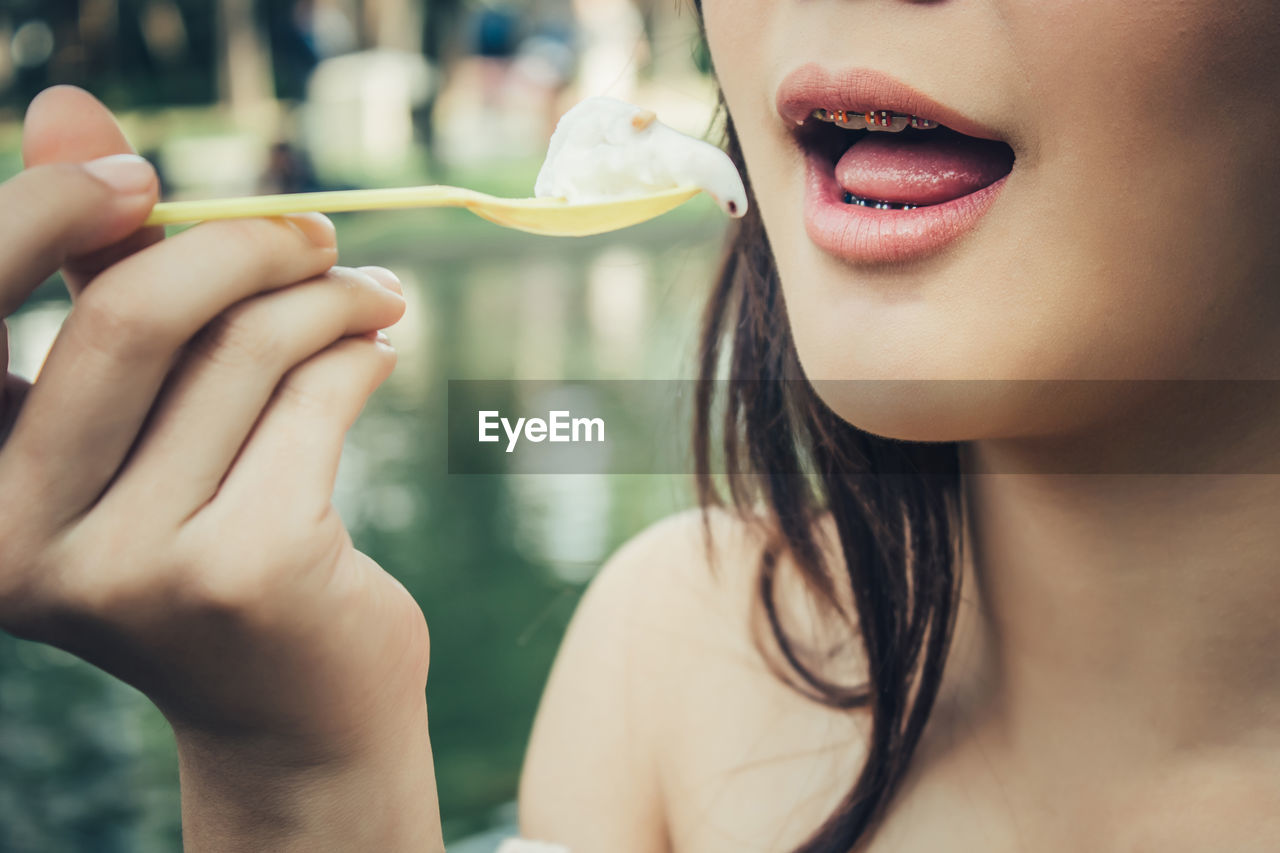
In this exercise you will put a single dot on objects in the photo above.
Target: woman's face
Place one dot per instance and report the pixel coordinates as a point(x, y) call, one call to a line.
point(1136, 237)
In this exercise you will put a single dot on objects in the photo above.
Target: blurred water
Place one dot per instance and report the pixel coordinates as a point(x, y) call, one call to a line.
point(497, 562)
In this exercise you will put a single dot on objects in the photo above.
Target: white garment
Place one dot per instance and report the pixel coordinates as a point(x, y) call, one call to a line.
point(520, 845)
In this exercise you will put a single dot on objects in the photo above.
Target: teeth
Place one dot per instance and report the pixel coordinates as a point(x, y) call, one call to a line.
point(874, 120)
point(896, 123)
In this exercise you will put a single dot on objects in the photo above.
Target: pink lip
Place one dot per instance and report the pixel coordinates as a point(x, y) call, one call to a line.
point(863, 234)
point(870, 236)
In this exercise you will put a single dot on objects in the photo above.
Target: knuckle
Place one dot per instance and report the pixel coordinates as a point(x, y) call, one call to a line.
point(226, 595)
point(109, 323)
point(88, 574)
point(219, 579)
point(243, 335)
point(105, 572)
point(311, 389)
point(55, 596)
point(236, 582)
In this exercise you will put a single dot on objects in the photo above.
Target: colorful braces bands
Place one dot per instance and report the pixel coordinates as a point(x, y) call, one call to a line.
point(874, 118)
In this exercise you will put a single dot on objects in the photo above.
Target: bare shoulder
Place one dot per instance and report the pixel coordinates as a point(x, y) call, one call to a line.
point(592, 775)
point(662, 726)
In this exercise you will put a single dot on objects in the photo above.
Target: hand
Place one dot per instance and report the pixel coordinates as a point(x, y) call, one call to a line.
point(165, 491)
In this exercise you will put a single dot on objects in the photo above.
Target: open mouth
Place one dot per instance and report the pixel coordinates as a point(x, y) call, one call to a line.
point(891, 175)
point(890, 161)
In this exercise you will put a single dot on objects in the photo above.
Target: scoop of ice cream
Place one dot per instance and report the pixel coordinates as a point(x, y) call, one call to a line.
point(604, 149)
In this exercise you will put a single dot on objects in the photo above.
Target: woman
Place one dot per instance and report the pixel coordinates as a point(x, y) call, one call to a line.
point(1113, 677)
point(1108, 498)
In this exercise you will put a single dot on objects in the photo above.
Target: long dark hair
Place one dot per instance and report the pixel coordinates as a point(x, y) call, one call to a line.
point(792, 463)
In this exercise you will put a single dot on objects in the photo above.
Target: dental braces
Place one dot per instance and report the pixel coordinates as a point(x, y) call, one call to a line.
point(874, 120)
point(850, 198)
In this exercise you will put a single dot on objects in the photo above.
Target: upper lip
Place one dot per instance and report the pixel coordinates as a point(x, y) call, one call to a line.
point(861, 90)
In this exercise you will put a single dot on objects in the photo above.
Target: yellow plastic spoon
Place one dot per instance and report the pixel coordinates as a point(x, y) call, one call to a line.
point(550, 216)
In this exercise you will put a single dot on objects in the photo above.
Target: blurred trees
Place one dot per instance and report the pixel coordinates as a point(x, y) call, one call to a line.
point(130, 52)
point(153, 53)
point(244, 63)
point(139, 53)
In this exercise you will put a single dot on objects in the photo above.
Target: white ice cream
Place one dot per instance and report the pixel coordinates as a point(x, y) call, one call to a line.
point(605, 149)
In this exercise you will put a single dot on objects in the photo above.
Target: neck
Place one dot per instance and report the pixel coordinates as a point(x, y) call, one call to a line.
point(1125, 613)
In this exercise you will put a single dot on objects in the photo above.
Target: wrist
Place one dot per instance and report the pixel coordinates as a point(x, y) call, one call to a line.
point(255, 793)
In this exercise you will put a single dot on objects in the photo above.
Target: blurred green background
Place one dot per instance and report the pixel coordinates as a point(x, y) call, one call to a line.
point(238, 96)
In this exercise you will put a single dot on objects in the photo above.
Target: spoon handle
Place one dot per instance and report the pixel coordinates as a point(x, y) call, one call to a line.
point(175, 212)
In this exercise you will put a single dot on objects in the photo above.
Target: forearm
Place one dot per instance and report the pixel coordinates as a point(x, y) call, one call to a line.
point(384, 799)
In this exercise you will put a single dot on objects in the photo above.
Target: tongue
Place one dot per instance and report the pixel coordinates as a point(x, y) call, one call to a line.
point(926, 168)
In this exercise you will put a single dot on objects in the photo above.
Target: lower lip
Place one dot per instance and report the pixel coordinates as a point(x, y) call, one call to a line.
point(869, 236)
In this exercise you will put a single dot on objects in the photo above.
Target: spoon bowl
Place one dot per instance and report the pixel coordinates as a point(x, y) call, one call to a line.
point(549, 216)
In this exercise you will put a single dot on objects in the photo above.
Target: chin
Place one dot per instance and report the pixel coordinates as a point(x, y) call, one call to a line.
point(945, 410)
point(914, 410)
point(897, 380)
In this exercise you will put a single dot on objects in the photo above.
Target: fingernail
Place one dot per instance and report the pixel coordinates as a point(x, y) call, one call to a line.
point(384, 277)
point(124, 173)
point(316, 227)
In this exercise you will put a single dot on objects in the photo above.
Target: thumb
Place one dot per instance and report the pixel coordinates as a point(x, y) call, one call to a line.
point(65, 124)
point(51, 213)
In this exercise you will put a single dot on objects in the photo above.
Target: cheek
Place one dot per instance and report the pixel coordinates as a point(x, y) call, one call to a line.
point(1160, 194)
point(732, 28)
point(1136, 239)
point(1193, 54)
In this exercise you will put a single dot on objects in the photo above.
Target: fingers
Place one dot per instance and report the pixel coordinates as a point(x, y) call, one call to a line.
point(68, 125)
point(230, 371)
point(121, 338)
point(51, 213)
point(289, 464)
